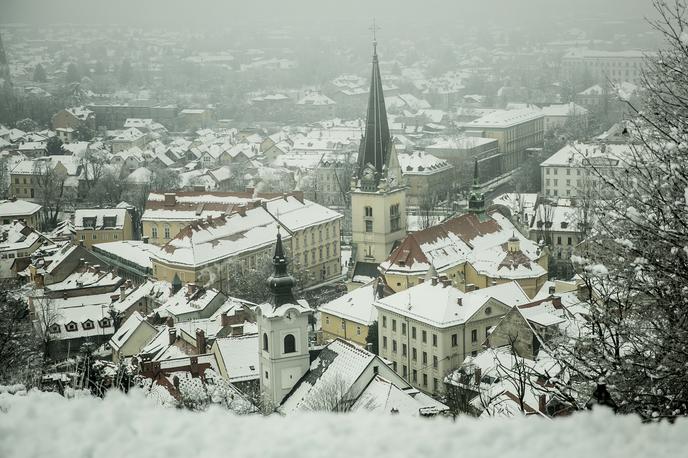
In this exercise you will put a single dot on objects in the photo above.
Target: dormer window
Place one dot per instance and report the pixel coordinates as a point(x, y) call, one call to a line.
point(104, 323)
point(110, 221)
point(55, 329)
point(88, 324)
point(71, 326)
point(90, 222)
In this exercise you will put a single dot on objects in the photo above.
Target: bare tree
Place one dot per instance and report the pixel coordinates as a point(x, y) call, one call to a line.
point(53, 193)
point(635, 262)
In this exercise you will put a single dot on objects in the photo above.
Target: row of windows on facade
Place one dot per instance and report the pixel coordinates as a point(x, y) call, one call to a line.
point(394, 218)
point(72, 326)
point(288, 343)
point(358, 328)
point(312, 234)
point(414, 352)
point(414, 377)
point(424, 333)
point(104, 236)
point(20, 254)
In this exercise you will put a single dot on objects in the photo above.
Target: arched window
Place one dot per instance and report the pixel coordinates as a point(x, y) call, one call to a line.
point(289, 343)
point(167, 231)
point(154, 232)
point(265, 342)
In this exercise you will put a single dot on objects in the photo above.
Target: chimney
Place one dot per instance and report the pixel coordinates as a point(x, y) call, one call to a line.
point(552, 290)
point(369, 347)
point(285, 195)
point(170, 199)
point(459, 300)
point(121, 292)
point(224, 319)
point(478, 375)
point(200, 341)
point(145, 239)
point(250, 190)
point(298, 195)
point(172, 333)
point(169, 322)
point(542, 404)
point(238, 330)
point(210, 219)
point(241, 209)
point(190, 289)
point(434, 281)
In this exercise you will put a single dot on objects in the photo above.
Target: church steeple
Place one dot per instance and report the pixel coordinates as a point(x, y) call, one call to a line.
point(476, 201)
point(280, 282)
point(375, 145)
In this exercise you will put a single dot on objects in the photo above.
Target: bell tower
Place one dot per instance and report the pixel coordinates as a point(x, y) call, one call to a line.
point(283, 333)
point(378, 195)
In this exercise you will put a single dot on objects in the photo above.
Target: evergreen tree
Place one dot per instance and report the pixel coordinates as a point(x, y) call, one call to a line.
point(39, 75)
point(72, 73)
point(54, 146)
point(371, 338)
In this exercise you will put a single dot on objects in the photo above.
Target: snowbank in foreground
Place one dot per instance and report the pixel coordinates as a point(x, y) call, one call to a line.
point(42, 424)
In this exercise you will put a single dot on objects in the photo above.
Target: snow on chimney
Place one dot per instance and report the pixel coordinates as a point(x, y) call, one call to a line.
point(121, 292)
point(552, 290)
point(241, 209)
point(170, 199)
point(172, 333)
point(237, 330)
point(434, 281)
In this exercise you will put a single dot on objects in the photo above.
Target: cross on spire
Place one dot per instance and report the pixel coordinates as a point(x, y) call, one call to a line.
point(374, 28)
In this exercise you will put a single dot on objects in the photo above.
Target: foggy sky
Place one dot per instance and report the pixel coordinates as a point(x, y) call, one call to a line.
point(314, 14)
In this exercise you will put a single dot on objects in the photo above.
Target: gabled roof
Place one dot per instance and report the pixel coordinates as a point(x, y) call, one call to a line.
point(357, 305)
point(443, 306)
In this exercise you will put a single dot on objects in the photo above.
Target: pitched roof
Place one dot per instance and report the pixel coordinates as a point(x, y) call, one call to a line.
point(376, 141)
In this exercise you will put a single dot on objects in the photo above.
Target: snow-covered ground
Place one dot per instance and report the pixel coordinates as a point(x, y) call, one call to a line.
point(44, 424)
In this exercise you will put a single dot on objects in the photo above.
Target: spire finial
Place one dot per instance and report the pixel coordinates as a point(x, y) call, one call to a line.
point(374, 28)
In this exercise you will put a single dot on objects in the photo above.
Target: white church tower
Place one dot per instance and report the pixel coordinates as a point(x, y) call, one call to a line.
point(378, 195)
point(283, 331)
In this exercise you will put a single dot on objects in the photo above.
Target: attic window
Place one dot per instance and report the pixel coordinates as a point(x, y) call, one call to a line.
point(104, 323)
point(71, 326)
point(564, 224)
point(110, 221)
point(90, 222)
point(88, 324)
point(488, 310)
point(55, 329)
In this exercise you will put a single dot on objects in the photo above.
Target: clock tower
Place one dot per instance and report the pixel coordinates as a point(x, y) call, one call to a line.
point(283, 333)
point(378, 195)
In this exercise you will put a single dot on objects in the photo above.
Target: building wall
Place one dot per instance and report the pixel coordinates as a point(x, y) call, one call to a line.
point(33, 220)
point(449, 353)
point(375, 246)
point(336, 327)
point(422, 187)
point(314, 251)
point(138, 339)
point(91, 237)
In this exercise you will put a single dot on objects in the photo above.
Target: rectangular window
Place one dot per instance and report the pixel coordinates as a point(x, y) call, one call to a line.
point(413, 332)
point(425, 379)
point(474, 335)
point(394, 346)
point(434, 340)
point(425, 337)
point(435, 385)
point(384, 321)
point(414, 377)
point(358, 330)
point(404, 371)
point(425, 358)
point(435, 362)
point(384, 342)
point(394, 366)
point(394, 217)
point(369, 226)
point(403, 325)
point(569, 241)
point(455, 340)
point(414, 354)
point(403, 349)
point(394, 325)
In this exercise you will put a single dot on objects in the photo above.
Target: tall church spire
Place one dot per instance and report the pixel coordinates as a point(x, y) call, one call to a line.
point(376, 142)
point(476, 201)
point(280, 282)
